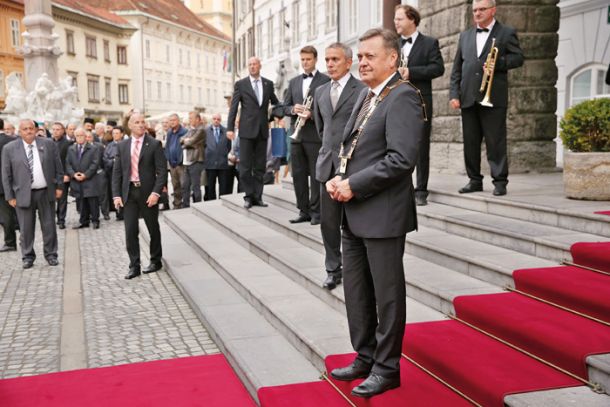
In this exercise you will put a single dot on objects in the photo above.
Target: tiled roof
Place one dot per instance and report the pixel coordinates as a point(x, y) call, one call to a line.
point(95, 12)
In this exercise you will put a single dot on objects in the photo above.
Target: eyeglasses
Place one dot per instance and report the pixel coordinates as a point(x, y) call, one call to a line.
point(481, 9)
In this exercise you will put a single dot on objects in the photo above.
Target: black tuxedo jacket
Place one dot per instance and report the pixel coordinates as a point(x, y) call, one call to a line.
point(253, 119)
point(294, 95)
point(425, 63)
point(152, 168)
point(467, 70)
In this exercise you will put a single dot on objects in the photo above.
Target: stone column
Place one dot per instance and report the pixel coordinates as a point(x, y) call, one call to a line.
point(40, 51)
point(531, 121)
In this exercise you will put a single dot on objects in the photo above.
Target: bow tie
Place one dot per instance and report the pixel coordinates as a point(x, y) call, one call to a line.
point(403, 41)
point(307, 75)
point(482, 30)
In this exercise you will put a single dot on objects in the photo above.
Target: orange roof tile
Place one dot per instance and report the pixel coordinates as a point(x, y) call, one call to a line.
point(95, 12)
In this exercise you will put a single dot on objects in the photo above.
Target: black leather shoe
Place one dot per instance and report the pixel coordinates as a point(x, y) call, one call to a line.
point(421, 200)
point(28, 264)
point(471, 187)
point(106, 217)
point(300, 219)
point(61, 226)
point(96, 225)
point(81, 226)
point(374, 385)
point(247, 204)
point(332, 280)
point(133, 272)
point(315, 221)
point(357, 370)
point(6, 248)
point(259, 203)
point(52, 262)
point(152, 267)
point(499, 190)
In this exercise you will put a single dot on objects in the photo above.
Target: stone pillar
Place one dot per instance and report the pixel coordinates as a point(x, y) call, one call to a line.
point(531, 121)
point(40, 51)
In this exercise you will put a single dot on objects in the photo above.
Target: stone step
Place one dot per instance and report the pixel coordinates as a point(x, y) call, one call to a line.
point(427, 283)
point(238, 329)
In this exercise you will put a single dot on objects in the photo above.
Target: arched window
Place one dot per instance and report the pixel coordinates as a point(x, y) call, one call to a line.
point(588, 83)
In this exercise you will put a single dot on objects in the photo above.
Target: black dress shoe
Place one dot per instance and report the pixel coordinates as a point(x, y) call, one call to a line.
point(7, 248)
point(247, 204)
point(61, 226)
point(81, 226)
point(96, 225)
point(471, 187)
point(52, 262)
point(332, 280)
point(357, 370)
point(106, 217)
point(300, 219)
point(152, 267)
point(133, 272)
point(499, 190)
point(315, 221)
point(28, 264)
point(375, 384)
point(259, 203)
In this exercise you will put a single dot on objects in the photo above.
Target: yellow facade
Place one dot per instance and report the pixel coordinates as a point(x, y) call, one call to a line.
point(218, 13)
point(11, 27)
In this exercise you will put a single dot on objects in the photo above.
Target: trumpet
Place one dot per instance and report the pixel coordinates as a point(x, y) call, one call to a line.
point(488, 74)
point(301, 120)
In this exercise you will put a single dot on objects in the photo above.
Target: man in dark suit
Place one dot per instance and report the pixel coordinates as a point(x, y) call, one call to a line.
point(217, 148)
point(304, 151)
point(82, 165)
point(333, 106)
point(58, 132)
point(423, 62)
point(254, 94)
point(478, 121)
point(379, 152)
point(32, 177)
point(193, 145)
point(110, 153)
point(138, 178)
point(7, 212)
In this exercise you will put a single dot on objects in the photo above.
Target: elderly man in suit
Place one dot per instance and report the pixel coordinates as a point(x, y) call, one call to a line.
point(32, 177)
point(138, 178)
point(484, 122)
point(378, 154)
point(7, 212)
point(333, 106)
point(422, 63)
point(217, 166)
point(193, 148)
point(254, 94)
point(304, 151)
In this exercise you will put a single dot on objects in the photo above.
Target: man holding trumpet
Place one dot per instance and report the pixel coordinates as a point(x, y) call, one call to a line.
point(484, 104)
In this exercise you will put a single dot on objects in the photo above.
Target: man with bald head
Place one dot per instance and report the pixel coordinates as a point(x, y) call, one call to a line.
point(138, 177)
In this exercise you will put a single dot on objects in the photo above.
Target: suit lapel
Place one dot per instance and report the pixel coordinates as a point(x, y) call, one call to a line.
point(144, 147)
point(416, 48)
point(347, 93)
point(347, 133)
point(248, 88)
point(490, 38)
point(41, 155)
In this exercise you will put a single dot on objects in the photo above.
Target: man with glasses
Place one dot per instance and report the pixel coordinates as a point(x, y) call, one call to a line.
point(484, 122)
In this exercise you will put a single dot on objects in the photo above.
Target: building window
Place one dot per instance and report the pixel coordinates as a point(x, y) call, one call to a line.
point(149, 89)
point(331, 14)
point(159, 95)
point(589, 84)
point(70, 42)
point(190, 94)
point(106, 51)
point(74, 76)
point(270, 36)
point(108, 90)
point(168, 91)
point(167, 53)
point(147, 46)
point(296, 18)
point(198, 60)
point(15, 33)
point(179, 57)
point(188, 59)
point(282, 27)
point(91, 47)
point(181, 93)
point(121, 54)
point(123, 94)
point(200, 94)
point(311, 19)
point(352, 18)
point(259, 40)
point(93, 89)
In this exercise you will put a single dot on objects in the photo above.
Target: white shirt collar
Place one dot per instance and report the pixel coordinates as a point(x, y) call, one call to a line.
point(377, 90)
point(343, 80)
point(490, 26)
point(412, 36)
point(252, 78)
point(26, 144)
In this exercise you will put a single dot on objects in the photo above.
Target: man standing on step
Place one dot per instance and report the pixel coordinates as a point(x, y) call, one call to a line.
point(138, 178)
point(333, 106)
point(478, 121)
point(422, 62)
point(378, 154)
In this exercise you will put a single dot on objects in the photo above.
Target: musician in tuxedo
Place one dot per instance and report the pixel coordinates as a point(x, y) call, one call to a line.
point(482, 122)
point(138, 177)
point(424, 62)
point(378, 155)
point(254, 94)
point(333, 106)
point(32, 177)
point(304, 152)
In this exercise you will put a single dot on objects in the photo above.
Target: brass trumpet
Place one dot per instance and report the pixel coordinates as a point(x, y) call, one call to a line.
point(488, 74)
point(301, 120)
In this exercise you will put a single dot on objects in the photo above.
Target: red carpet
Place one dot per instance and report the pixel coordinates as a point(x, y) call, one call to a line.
point(318, 394)
point(603, 213)
point(529, 324)
point(479, 366)
point(578, 289)
point(594, 255)
point(195, 381)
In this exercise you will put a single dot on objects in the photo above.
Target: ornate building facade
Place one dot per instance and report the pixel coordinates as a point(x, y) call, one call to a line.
point(11, 28)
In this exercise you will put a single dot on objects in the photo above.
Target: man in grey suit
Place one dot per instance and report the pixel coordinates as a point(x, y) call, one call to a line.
point(333, 106)
point(484, 122)
point(32, 177)
point(378, 154)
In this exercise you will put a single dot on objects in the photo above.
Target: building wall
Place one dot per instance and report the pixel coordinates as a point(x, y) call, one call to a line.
point(10, 60)
point(218, 13)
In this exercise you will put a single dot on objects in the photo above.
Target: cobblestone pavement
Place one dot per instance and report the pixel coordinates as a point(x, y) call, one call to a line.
point(125, 320)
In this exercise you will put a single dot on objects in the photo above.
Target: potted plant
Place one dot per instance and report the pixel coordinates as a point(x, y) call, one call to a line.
point(585, 131)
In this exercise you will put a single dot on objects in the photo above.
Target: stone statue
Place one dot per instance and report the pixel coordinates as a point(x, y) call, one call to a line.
point(16, 96)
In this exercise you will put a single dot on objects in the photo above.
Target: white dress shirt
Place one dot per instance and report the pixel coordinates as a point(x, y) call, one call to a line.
point(307, 83)
point(406, 49)
point(39, 180)
point(483, 36)
point(377, 90)
point(342, 82)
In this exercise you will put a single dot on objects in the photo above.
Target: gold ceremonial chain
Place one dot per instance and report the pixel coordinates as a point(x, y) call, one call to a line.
point(580, 266)
point(458, 392)
point(324, 376)
point(596, 387)
point(580, 314)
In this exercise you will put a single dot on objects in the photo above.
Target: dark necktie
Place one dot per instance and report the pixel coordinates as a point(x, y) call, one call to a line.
point(80, 152)
point(403, 41)
point(307, 75)
point(482, 30)
point(31, 161)
point(364, 109)
point(217, 135)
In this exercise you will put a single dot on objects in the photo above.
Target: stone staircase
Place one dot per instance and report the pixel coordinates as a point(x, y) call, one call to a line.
point(255, 279)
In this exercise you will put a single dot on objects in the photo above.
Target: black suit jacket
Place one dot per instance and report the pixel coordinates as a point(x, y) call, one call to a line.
point(294, 95)
point(216, 153)
point(4, 140)
point(88, 164)
point(425, 63)
point(253, 119)
point(62, 145)
point(152, 168)
point(467, 70)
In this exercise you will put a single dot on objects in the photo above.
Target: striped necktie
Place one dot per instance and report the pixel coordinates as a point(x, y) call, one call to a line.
point(364, 109)
point(31, 161)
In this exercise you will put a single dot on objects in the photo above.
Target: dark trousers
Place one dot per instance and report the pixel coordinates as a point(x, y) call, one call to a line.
point(191, 183)
point(489, 123)
point(7, 218)
point(62, 205)
point(225, 183)
point(423, 159)
point(235, 176)
point(103, 198)
point(136, 207)
point(252, 159)
point(306, 188)
point(27, 225)
point(90, 210)
point(330, 225)
point(374, 286)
